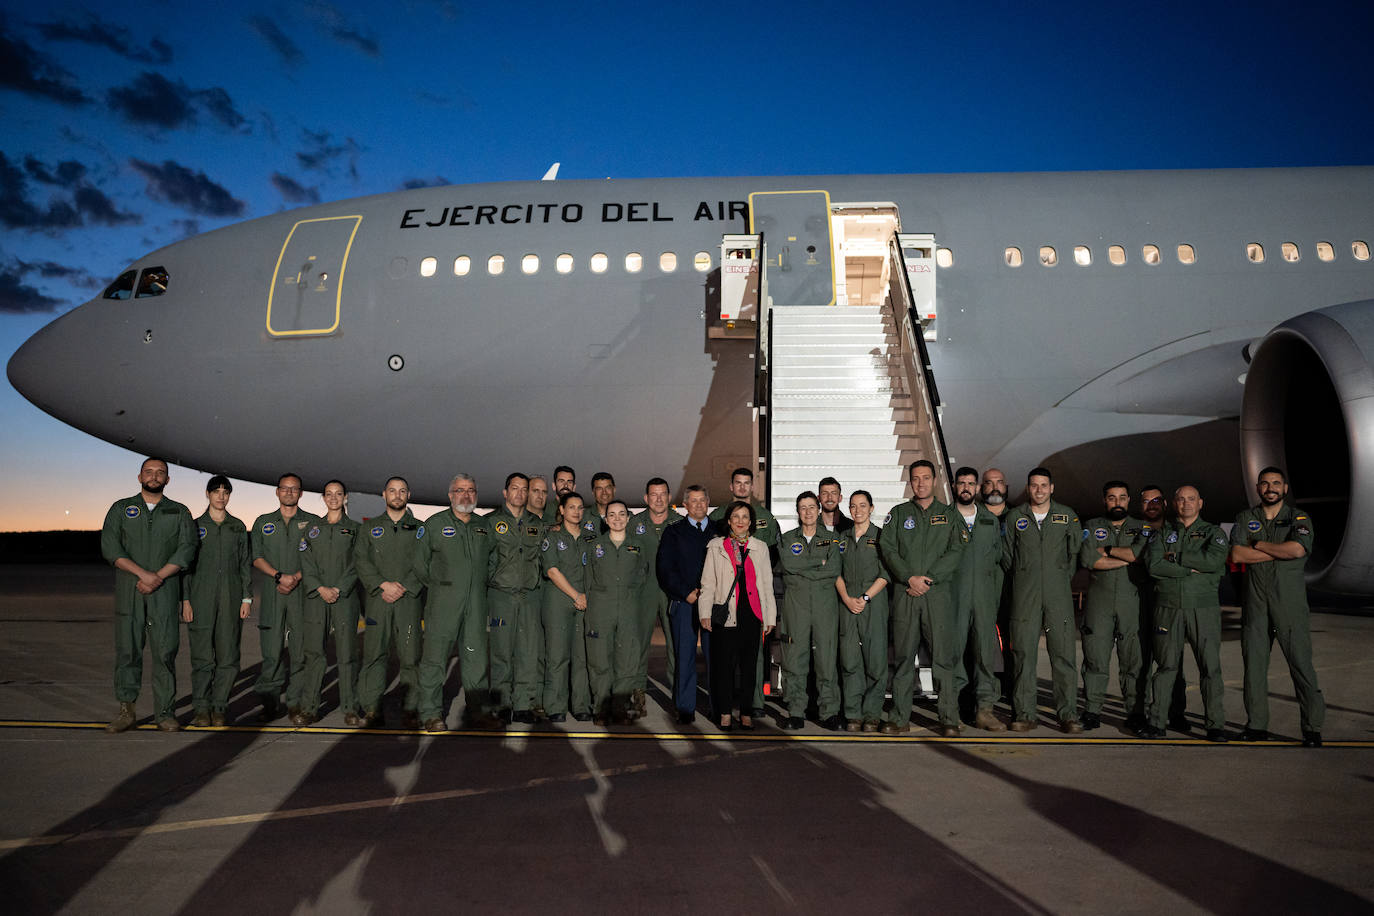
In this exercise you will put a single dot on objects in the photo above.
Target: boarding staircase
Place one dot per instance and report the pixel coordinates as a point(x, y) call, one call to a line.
point(850, 396)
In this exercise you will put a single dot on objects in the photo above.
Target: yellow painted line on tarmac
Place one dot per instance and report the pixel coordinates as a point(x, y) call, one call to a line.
point(370, 804)
point(768, 737)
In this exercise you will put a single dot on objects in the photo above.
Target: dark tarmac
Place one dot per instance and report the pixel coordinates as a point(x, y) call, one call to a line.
point(658, 818)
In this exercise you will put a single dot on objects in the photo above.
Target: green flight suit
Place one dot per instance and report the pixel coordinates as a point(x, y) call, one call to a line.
point(567, 685)
point(151, 538)
point(515, 633)
point(641, 525)
point(977, 599)
point(1275, 607)
point(385, 551)
point(328, 562)
point(618, 582)
point(452, 565)
point(216, 583)
point(1187, 565)
point(281, 618)
point(1111, 613)
point(1178, 704)
point(810, 620)
point(863, 636)
point(924, 542)
point(766, 529)
point(1040, 561)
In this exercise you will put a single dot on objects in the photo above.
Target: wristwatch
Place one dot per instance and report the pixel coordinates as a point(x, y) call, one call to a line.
point(277, 576)
point(867, 598)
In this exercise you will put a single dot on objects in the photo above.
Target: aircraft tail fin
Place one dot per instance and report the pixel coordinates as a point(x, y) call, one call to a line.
point(552, 173)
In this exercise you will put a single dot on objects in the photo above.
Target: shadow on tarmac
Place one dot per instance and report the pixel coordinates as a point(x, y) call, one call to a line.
point(1216, 876)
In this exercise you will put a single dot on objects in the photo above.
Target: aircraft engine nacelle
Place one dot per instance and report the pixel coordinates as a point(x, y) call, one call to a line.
point(1309, 408)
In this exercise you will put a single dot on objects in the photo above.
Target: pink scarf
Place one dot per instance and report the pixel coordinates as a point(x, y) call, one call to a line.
point(750, 584)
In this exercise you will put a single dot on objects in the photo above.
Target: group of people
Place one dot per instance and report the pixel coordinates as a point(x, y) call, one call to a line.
point(550, 601)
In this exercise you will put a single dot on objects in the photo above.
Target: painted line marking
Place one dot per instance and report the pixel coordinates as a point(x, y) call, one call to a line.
point(370, 804)
point(731, 737)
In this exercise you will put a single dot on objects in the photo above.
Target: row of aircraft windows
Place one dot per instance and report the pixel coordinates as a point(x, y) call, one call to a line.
point(564, 263)
point(599, 263)
point(1151, 254)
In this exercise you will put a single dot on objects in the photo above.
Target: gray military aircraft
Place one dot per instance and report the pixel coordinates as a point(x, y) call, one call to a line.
point(1164, 327)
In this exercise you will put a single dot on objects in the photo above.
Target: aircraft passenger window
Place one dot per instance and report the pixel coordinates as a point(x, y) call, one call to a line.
point(1186, 255)
point(1150, 254)
point(122, 287)
point(495, 264)
point(633, 262)
point(461, 265)
point(1360, 250)
point(530, 263)
point(152, 283)
point(599, 263)
point(1048, 256)
point(1012, 256)
point(702, 262)
point(1290, 252)
point(1325, 251)
point(1255, 252)
point(428, 266)
point(1082, 256)
point(564, 263)
point(1117, 255)
point(944, 257)
point(667, 262)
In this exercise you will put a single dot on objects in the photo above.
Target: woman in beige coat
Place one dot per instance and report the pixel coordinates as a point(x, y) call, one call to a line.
point(739, 575)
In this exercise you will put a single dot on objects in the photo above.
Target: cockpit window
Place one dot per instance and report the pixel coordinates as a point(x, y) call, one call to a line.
point(122, 287)
point(152, 283)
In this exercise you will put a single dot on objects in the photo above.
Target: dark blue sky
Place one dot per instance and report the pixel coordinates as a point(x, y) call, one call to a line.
point(128, 126)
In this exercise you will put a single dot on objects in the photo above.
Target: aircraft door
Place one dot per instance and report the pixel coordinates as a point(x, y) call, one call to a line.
point(307, 286)
point(796, 229)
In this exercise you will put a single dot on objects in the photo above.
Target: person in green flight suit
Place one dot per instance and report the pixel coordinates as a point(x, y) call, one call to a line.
point(1273, 540)
point(276, 541)
point(649, 525)
point(331, 602)
point(148, 539)
point(1040, 543)
point(619, 574)
point(217, 594)
point(531, 638)
point(810, 616)
point(1111, 608)
point(384, 556)
point(766, 529)
point(513, 603)
point(862, 585)
point(566, 682)
point(452, 565)
point(977, 599)
point(922, 543)
point(1187, 557)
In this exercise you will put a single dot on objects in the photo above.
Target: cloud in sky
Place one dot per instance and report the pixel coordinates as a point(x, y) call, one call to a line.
point(293, 191)
point(107, 35)
point(18, 297)
point(27, 71)
point(85, 206)
point(88, 205)
point(334, 24)
point(277, 40)
point(322, 152)
point(155, 101)
point(411, 184)
point(193, 191)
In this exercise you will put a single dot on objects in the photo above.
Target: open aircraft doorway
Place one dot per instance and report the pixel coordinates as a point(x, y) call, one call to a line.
point(863, 233)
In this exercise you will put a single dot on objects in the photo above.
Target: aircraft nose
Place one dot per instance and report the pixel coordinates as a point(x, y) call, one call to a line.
point(33, 365)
